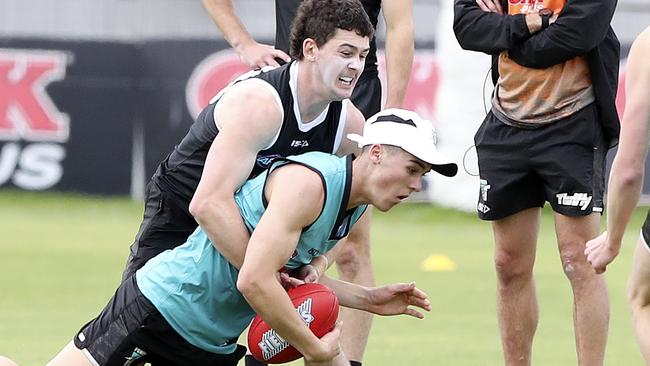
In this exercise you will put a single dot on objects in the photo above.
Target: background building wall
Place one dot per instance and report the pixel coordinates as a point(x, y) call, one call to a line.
point(138, 19)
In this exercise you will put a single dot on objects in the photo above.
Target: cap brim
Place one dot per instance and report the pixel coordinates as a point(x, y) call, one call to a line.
point(448, 170)
point(439, 163)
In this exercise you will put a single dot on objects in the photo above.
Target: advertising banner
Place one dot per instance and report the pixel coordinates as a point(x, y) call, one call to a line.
point(66, 114)
point(98, 117)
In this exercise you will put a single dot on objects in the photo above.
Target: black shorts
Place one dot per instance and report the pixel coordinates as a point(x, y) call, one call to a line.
point(131, 331)
point(366, 95)
point(166, 224)
point(561, 163)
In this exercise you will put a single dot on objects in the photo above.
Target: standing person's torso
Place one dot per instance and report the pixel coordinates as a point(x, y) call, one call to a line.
point(529, 97)
point(195, 288)
point(181, 171)
point(285, 12)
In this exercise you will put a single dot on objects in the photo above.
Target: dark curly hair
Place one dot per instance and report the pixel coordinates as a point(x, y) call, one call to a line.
point(319, 20)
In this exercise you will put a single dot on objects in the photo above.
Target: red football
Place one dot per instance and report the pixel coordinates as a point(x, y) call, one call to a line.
point(316, 304)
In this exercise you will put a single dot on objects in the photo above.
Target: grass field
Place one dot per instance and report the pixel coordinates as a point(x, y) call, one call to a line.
point(61, 257)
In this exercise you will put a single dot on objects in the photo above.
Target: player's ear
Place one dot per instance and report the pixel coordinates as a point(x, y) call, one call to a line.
point(376, 153)
point(309, 49)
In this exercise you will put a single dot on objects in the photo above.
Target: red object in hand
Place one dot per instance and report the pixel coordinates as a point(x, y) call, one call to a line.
point(318, 307)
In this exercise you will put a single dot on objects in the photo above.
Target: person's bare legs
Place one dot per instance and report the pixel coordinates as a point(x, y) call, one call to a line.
point(515, 246)
point(590, 299)
point(70, 355)
point(354, 265)
point(638, 297)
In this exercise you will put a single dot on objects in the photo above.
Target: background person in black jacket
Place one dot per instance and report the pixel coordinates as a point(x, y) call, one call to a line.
point(555, 68)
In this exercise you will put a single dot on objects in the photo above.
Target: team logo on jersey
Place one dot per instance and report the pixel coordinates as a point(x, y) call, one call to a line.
point(299, 143)
point(581, 200)
point(265, 161)
point(272, 343)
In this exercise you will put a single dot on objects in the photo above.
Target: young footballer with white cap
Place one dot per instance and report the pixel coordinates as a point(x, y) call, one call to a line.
point(188, 306)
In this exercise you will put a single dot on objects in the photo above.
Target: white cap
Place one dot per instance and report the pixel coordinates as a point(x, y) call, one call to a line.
point(405, 129)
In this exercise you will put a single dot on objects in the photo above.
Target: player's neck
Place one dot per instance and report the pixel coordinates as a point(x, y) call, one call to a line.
point(359, 184)
point(312, 99)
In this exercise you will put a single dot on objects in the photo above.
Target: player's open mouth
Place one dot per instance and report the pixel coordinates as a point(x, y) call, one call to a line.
point(402, 198)
point(346, 80)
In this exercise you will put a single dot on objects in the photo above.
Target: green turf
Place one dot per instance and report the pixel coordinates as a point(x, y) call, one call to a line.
point(61, 258)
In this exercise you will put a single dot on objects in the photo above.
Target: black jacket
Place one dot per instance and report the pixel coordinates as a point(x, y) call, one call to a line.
point(583, 28)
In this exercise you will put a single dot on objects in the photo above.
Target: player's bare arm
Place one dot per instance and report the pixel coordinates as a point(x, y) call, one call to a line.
point(626, 177)
point(243, 131)
point(393, 299)
point(255, 55)
point(399, 49)
point(296, 196)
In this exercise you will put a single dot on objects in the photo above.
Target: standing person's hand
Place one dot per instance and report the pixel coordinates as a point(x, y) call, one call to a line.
point(600, 252)
point(257, 55)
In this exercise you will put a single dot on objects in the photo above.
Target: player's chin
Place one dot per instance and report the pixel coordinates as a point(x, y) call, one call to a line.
point(342, 96)
point(385, 205)
point(344, 92)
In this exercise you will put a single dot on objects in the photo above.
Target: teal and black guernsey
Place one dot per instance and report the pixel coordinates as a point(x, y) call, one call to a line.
point(195, 288)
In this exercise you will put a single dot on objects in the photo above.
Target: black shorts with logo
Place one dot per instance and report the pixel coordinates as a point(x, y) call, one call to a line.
point(562, 163)
point(130, 331)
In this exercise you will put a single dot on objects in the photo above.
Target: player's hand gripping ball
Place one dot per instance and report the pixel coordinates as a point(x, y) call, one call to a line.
point(318, 307)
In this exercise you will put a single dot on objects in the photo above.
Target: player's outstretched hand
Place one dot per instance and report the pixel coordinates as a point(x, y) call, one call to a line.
point(398, 298)
point(600, 252)
point(257, 55)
